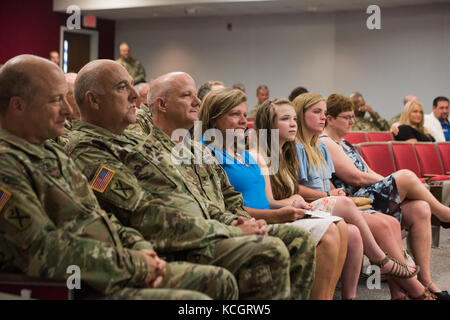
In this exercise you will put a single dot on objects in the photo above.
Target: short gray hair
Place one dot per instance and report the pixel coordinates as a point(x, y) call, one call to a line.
point(14, 83)
point(87, 81)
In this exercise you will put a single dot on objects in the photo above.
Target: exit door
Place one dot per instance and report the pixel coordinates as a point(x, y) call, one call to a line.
point(78, 50)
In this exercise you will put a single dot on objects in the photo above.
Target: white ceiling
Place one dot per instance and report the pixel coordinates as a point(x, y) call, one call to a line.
point(145, 9)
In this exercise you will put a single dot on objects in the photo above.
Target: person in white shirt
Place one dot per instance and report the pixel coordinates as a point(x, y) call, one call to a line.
point(437, 121)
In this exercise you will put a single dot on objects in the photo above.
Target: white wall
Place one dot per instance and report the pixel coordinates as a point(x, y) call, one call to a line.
point(325, 52)
point(279, 51)
point(410, 54)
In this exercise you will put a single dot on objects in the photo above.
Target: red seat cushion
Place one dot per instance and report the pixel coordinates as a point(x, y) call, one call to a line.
point(440, 178)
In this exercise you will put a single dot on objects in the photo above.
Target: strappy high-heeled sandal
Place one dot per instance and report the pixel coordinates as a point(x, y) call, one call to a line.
point(399, 269)
point(426, 295)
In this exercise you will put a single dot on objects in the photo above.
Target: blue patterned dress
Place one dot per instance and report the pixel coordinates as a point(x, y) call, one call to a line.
point(384, 193)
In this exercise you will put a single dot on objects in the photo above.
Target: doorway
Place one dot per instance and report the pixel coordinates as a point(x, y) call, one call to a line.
point(78, 47)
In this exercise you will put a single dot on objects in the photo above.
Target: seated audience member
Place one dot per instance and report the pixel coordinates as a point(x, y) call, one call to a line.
point(239, 86)
point(225, 109)
point(207, 87)
point(53, 56)
point(178, 206)
point(401, 194)
point(70, 79)
point(133, 66)
point(75, 115)
point(142, 93)
point(296, 92)
point(396, 118)
point(363, 122)
point(379, 232)
point(411, 127)
point(437, 122)
point(50, 218)
point(262, 94)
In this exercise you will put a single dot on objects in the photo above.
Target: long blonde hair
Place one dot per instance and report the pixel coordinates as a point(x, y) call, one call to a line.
point(301, 104)
point(405, 116)
point(287, 175)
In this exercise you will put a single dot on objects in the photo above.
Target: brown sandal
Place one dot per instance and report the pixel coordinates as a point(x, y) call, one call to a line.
point(399, 269)
point(426, 295)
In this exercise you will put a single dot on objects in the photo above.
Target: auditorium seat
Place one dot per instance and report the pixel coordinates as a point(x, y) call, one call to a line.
point(250, 122)
point(356, 137)
point(429, 161)
point(405, 158)
point(34, 288)
point(444, 152)
point(378, 157)
point(379, 136)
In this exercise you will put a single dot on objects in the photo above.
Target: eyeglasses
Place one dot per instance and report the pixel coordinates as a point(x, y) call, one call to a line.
point(348, 118)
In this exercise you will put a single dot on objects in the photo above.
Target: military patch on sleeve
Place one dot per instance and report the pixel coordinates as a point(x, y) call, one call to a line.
point(122, 189)
point(139, 132)
point(4, 197)
point(19, 219)
point(102, 179)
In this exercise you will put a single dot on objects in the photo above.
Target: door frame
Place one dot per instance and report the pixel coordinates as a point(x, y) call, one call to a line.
point(93, 50)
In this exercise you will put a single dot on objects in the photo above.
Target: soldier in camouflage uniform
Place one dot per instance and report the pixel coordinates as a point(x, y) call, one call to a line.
point(182, 203)
point(133, 66)
point(371, 122)
point(49, 217)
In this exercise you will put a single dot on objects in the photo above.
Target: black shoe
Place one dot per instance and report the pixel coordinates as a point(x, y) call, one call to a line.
point(445, 225)
point(443, 295)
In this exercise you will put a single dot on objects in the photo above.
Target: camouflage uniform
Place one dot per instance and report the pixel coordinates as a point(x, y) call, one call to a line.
point(180, 207)
point(134, 68)
point(254, 110)
point(64, 138)
point(50, 219)
point(369, 123)
point(395, 119)
point(143, 120)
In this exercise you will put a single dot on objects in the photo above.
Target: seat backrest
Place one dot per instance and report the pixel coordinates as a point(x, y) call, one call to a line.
point(379, 136)
point(444, 152)
point(356, 137)
point(405, 157)
point(250, 122)
point(378, 157)
point(428, 158)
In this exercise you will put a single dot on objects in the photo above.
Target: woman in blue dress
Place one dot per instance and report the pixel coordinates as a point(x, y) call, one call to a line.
point(400, 194)
point(379, 232)
point(223, 115)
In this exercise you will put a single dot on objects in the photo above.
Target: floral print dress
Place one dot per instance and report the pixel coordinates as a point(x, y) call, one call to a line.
point(384, 193)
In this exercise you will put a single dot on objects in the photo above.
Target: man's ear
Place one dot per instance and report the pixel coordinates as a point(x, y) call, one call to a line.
point(160, 104)
point(16, 104)
point(92, 100)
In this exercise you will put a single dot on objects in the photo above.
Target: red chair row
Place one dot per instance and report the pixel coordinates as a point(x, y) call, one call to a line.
point(250, 122)
point(356, 137)
point(429, 161)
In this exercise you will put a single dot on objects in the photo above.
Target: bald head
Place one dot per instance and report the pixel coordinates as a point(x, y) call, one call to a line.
point(105, 94)
point(21, 77)
point(70, 79)
point(92, 77)
point(124, 50)
point(32, 98)
point(163, 85)
point(409, 98)
point(173, 101)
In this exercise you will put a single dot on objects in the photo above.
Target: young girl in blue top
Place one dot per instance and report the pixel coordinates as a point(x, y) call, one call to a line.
point(225, 111)
point(379, 232)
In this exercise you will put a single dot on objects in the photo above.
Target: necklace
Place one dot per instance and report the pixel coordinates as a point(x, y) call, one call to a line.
point(237, 157)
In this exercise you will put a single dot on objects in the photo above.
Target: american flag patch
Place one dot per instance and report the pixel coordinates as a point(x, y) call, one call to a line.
point(4, 197)
point(102, 179)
